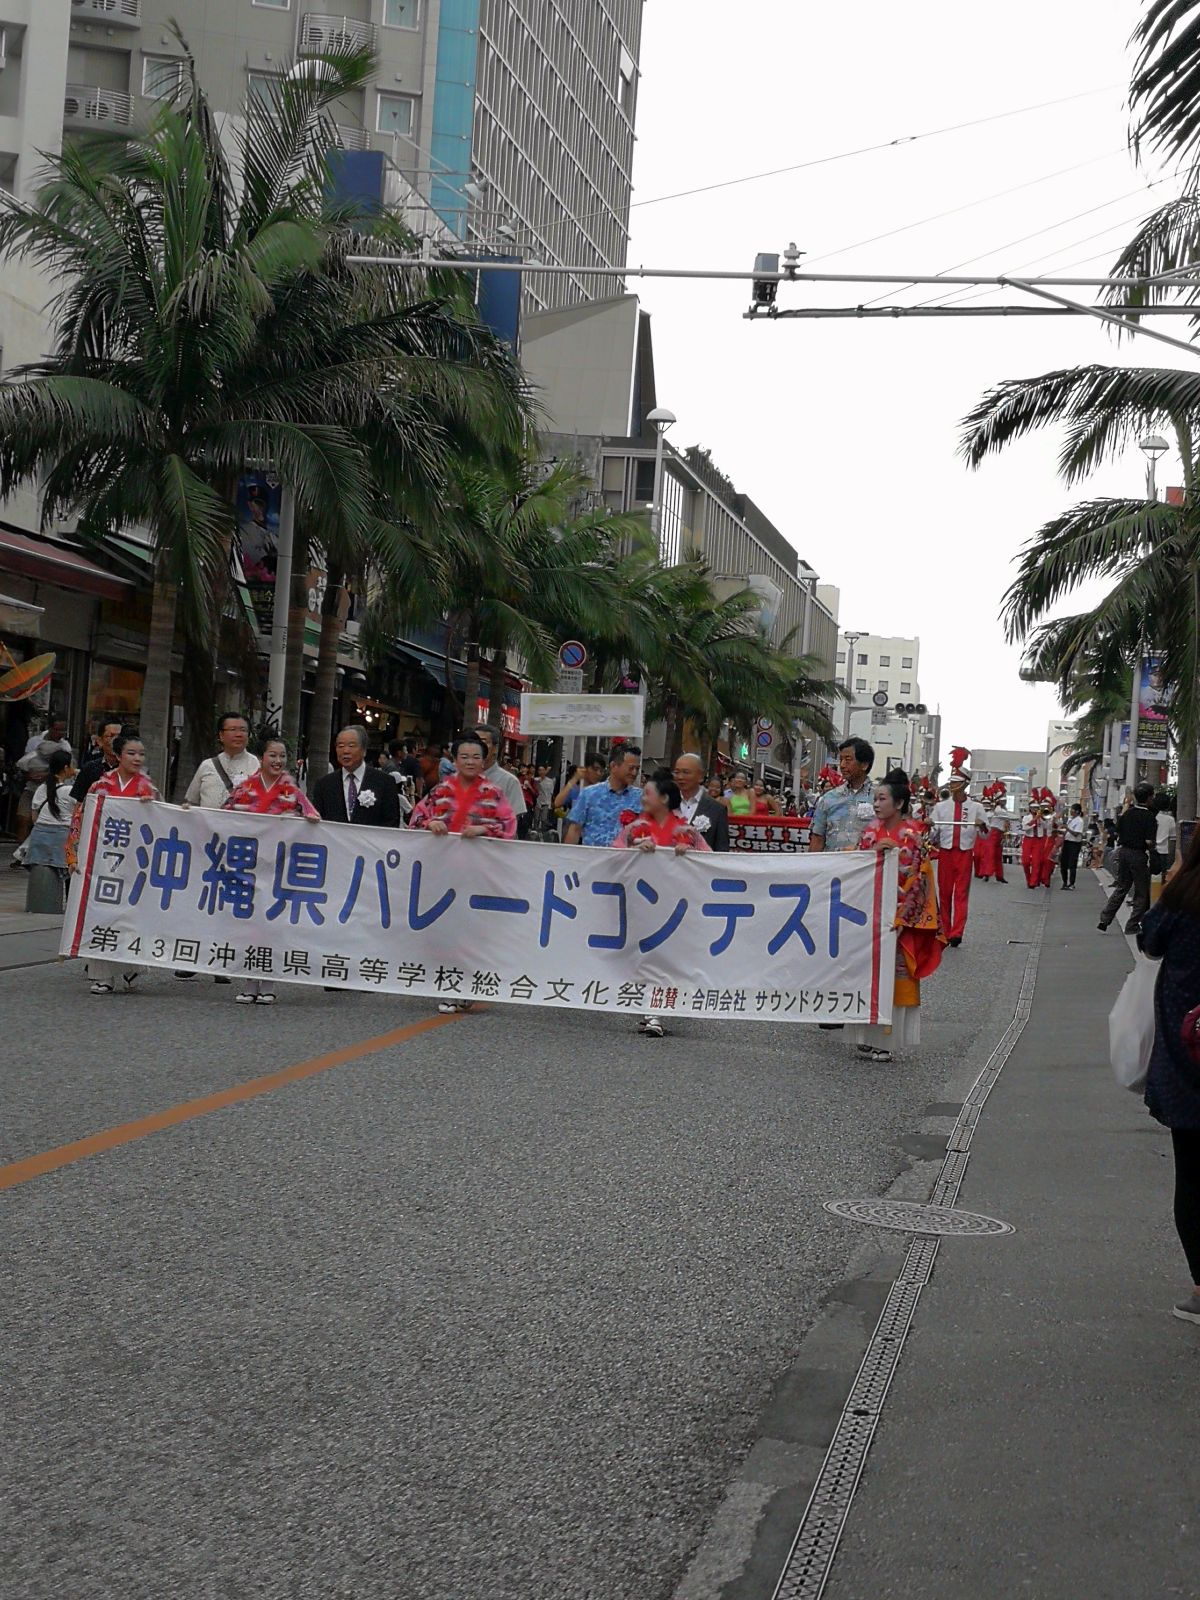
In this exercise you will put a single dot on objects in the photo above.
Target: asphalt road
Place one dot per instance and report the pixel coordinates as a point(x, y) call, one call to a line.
point(488, 1311)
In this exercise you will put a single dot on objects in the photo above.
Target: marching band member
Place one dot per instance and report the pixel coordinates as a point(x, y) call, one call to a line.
point(955, 823)
point(1037, 828)
point(989, 849)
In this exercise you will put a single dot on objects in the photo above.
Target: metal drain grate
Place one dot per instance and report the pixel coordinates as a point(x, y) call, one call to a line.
point(910, 1216)
point(806, 1571)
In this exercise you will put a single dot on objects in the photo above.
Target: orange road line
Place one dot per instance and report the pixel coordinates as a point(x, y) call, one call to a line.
point(64, 1155)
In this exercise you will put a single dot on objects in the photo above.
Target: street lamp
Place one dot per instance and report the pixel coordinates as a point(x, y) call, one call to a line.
point(1152, 446)
point(851, 640)
point(660, 419)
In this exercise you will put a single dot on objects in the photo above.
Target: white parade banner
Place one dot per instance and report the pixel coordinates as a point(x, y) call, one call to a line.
point(758, 937)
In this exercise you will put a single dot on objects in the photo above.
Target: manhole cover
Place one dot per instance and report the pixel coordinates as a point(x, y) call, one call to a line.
point(909, 1216)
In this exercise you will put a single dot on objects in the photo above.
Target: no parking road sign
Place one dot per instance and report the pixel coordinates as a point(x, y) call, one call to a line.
point(571, 655)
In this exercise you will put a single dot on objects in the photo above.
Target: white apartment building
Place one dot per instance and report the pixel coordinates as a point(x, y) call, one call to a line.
point(883, 673)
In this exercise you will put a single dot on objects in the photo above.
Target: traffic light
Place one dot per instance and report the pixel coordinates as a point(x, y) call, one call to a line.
point(765, 289)
point(906, 708)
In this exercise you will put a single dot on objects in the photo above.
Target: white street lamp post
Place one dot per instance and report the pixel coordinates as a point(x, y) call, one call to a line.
point(660, 419)
point(851, 641)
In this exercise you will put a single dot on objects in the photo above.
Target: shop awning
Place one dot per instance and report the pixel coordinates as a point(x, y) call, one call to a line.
point(18, 616)
point(49, 561)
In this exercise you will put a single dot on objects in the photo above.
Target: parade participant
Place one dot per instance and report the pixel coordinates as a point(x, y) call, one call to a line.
point(468, 804)
point(217, 777)
point(955, 823)
point(989, 847)
point(661, 826)
point(708, 816)
point(1032, 833)
point(920, 942)
point(841, 814)
point(355, 792)
point(596, 812)
point(125, 781)
point(980, 851)
point(270, 791)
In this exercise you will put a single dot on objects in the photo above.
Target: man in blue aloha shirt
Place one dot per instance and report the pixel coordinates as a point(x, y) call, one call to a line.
point(596, 815)
point(841, 814)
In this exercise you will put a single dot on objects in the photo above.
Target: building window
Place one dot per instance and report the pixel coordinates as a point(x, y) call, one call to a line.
point(860, 685)
point(263, 90)
point(885, 661)
point(161, 76)
point(8, 173)
point(906, 663)
point(841, 660)
point(395, 114)
point(840, 681)
point(862, 661)
point(883, 684)
point(402, 13)
point(274, 5)
point(906, 688)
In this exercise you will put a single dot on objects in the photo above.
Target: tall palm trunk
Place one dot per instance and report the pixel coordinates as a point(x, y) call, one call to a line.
point(496, 684)
point(155, 716)
point(293, 671)
point(471, 690)
point(320, 731)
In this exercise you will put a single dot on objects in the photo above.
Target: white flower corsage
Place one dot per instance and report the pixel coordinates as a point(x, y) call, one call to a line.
point(366, 798)
point(701, 824)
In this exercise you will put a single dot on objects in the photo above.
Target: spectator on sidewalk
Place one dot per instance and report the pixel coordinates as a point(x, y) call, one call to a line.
point(592, 771)
point(53, 809)
point(1166, 831)
point(217, 777)
point(1171, 933)
point(55, 735)
point(1136, 832)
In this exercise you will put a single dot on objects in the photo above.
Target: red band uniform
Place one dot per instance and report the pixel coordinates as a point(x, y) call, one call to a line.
point(955, 825)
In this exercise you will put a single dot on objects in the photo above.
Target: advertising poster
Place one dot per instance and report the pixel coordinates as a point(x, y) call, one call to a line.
point(259, 497)
point(1153, 700)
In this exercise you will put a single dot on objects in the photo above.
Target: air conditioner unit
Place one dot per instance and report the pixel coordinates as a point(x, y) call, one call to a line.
point(341, 44)
point(72, 106)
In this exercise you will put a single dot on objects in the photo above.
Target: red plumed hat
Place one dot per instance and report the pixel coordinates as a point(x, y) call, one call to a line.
point(959, 756)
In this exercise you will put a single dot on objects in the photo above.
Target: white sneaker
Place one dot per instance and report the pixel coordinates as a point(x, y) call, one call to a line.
point(448, 1008)
point(101, 988)
point(651, 1027)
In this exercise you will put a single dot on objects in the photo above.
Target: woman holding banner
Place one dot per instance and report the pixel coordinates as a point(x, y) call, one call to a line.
point(660, 826)
point(467, 804)
point(125, 781)
point(269, 792)
point(920, 941)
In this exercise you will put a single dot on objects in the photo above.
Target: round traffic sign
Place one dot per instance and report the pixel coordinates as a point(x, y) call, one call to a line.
point(765, 724)
point(571, 654)
point(879, 698)
point(765, 740)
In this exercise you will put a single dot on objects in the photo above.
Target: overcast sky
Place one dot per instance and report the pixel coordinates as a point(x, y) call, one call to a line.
point(845, 432)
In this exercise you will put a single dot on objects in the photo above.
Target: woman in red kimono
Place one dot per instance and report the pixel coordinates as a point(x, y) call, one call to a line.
point(920, 942)
point(125, 781)
point(269, 792)
point(467, 804)
point(660, 826)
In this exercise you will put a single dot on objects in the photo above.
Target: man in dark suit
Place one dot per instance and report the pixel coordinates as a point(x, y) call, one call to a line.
point(355, 792)
point(689, 775)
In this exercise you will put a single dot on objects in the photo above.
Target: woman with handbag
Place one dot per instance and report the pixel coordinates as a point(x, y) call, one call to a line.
point(1170, 932)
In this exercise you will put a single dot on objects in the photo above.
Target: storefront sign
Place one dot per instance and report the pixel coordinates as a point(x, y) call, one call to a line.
point(405, 912)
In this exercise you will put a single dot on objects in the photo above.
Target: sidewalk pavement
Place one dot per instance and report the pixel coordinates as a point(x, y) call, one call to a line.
point(1039, 1436)
point(25, 940)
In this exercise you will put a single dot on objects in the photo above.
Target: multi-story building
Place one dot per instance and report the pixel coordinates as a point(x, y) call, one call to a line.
point(882, 675)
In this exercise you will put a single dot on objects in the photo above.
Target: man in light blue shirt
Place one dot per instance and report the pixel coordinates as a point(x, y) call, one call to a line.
point(596, 814)
point(841, 814)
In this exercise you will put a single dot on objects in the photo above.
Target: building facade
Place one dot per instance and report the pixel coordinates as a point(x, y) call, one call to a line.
point(872, 666)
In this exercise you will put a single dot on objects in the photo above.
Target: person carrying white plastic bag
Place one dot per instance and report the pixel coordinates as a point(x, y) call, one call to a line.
point(1131, 1026)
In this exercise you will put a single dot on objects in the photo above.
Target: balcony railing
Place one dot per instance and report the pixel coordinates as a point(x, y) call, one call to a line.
point(86, 106)
point(352, 138)
point(118, 13)
point(322, 35)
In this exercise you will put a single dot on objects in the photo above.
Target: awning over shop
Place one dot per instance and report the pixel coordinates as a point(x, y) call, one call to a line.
point(51, 561)
point(433, 663)
point(18, 616)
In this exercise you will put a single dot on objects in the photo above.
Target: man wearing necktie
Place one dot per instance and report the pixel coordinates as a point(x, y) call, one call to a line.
point(355, 792)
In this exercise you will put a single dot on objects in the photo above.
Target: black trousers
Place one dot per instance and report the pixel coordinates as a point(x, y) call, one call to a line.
point(1133, 876)
point(1068, 861)
point(1186, 1142)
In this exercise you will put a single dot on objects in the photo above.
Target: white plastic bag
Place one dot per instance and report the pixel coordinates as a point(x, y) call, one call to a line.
point(1131, 1026)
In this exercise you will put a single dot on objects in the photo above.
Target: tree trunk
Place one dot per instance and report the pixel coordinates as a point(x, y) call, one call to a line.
point(155, 717)
point(320, 732)
point(1185, 806)
point(293, 672)
point(471, 691)
point(496, 683)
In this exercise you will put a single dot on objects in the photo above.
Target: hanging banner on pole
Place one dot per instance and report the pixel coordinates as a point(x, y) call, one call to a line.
point(620, 716)
point(763, 938)
point(1153, 700)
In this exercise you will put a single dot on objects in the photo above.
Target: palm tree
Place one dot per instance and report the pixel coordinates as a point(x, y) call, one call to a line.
point(141, 415)
point(1150, 549)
